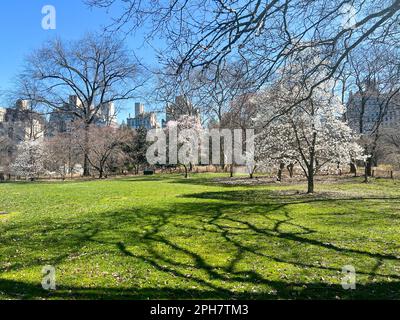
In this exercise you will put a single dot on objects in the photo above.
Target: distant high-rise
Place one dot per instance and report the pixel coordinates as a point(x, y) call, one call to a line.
point(107, 115)
point(366, 110)
point(21, 123)
point(142, 119)
point(181, 107)
point(139, 109)
point(18, 124)
point(3, 112)
point(22, 104)
point(61, 120)
point(75, 101)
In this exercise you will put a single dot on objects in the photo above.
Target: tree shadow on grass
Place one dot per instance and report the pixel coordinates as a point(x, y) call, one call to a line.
point(224, 180)
point(28, 291)
point(154, 178)
point(231, 248)
point(262, 196)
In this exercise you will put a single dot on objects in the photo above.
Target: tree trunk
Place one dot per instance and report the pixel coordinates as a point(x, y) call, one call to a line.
point(366, 172)
point(281, 167)
point(290, 168)
point(86, 165)
point(310, 182)
point(186, 172)
point(369, 167)
point(339, 170)
point(313, 164)
point(231, 171)
point(310, 176)
point(353, 169)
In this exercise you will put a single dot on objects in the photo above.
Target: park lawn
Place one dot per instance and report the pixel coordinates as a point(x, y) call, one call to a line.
point(165, 237)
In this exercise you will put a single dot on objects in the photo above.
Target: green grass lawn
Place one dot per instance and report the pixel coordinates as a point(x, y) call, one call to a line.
point(171, 238)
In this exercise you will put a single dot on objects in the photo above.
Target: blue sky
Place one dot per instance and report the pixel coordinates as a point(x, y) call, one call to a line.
point(21, 32)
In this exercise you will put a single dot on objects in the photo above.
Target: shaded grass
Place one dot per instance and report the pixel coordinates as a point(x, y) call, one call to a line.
point(165, 237)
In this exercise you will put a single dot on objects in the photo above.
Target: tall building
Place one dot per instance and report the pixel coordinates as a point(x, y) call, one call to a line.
point(370, 108)
point(61, 120)
point(21, 123)
point(142, 119)
point(107, 115)
point(3, 112)
point(18, 124)
point(139, 108)
point(181, 107)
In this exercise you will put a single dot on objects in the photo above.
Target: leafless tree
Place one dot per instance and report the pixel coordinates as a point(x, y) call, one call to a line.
point(241, 112)
point(181, 94)
point(219, 94)
point(376, 82)
point(97, 70)
point(134, 148)
point(63, 154)
point(205, 33)
point(391, 142)
point(105, 143)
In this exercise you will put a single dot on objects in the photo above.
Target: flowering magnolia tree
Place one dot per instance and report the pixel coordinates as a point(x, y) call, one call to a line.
point(310, 133)
point(187, 130)
point(29, 162)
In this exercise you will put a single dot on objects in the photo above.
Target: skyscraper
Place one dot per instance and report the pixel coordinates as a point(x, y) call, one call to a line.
point(142, 119)
point(181, 107)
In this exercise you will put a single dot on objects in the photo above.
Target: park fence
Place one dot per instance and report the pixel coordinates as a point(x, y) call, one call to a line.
point(385, 173)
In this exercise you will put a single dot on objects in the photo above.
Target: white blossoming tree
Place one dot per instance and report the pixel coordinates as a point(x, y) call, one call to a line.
point(29, 162)
point(302, 128)
point(188, 130)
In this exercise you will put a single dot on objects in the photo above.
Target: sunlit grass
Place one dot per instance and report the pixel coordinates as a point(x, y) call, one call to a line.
point(167, 237)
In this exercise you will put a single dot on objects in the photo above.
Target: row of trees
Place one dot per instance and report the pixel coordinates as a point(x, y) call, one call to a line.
point(285, 68)
point(294, 125)
point(231, 48)
point(110, 150)
point(97, 69)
